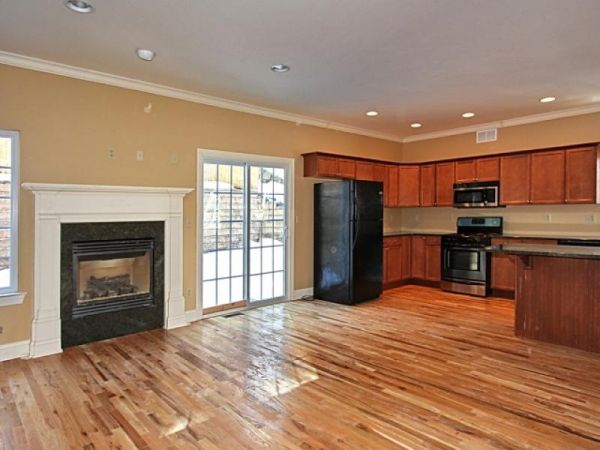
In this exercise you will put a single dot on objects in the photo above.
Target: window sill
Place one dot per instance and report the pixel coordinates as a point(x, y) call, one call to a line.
point(14, 298)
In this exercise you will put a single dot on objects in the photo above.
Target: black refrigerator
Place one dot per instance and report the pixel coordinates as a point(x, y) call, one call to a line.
point(348, 240)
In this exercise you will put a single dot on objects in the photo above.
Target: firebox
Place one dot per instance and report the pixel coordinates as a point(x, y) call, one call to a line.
point(112, 279)
point(112, 275)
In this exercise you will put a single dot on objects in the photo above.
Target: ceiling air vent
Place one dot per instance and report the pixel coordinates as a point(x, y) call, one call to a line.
point(488, 135)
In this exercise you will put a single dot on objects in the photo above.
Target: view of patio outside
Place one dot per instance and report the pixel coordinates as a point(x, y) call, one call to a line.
point(223, 234)
point(5, 210)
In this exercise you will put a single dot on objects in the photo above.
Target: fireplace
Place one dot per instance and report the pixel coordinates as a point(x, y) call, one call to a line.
point(112, 275)
point(112, 279)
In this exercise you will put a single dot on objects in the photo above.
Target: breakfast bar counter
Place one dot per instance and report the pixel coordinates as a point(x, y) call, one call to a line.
point(557, 293)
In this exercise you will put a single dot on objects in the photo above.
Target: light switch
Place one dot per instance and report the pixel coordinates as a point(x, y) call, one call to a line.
point(139, 155)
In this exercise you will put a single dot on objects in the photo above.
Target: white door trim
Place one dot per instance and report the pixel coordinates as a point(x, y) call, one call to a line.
point(249, 158)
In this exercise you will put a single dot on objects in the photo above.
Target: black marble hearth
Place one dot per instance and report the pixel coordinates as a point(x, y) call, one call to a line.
point(112, 280)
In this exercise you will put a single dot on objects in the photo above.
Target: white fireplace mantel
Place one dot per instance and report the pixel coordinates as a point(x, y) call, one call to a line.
point(77, 203)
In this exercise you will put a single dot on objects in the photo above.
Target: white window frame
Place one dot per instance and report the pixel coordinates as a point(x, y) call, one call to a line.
point(9, 295)
point(231, 158)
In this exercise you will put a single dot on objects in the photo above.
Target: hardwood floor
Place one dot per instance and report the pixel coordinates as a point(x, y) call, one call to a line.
point(415, 369)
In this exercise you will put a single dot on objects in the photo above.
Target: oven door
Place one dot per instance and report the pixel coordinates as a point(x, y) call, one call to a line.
point(464, 264)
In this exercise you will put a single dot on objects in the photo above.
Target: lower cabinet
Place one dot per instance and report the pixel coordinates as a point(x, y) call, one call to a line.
point(396, 259)
point(504, 267)
point(426, 257)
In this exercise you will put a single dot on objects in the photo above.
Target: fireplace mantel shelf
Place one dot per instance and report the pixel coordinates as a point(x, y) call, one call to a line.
point(100, 188)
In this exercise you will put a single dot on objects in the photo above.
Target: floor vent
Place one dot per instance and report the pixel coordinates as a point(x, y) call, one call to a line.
point(227, 316)
point(487, 135)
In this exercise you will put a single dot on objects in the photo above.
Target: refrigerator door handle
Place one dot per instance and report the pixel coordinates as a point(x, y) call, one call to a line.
point(356, 223)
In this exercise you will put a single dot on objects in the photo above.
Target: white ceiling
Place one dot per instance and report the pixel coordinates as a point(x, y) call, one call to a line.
point(412, 60)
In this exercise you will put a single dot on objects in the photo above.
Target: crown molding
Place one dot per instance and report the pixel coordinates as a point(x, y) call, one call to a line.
point(42, 65)
point(523, 120)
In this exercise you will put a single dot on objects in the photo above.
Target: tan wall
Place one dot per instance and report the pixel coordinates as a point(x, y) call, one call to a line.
point(564, 219)
point(67, 126)
point(551, 133)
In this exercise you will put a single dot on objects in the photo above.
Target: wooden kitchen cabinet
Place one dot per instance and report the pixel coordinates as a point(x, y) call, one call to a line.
point(548, 177)
point(379, 171)
point(390, 187)
point(514, 179)
point(504, 267)
point(581, 175)
point(316, 165)
point(488, 169)
point(409, 180)
point(417, 248)
point(426, 254)
point(433, 258)
point(465, 171)
point(396, 259)
point(427, 185)
point(444, 183)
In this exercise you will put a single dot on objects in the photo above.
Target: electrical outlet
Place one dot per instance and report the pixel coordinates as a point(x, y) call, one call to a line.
point(589, 218)
point(139, 155)
point(111, 153)
point(547, 217)
point(188, 292)
point(174, 159)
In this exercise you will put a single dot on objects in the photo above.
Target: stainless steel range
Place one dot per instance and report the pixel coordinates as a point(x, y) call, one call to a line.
point(466, 265)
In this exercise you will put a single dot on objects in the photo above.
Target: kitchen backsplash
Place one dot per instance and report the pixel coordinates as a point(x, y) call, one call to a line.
point(555, 220)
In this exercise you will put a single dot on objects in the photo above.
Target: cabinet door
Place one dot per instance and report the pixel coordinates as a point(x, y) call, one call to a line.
point(409, 178)
point(346, 168)
point(427, 185)
point(466, 171)
point(406, 257)
point(327, 167)
point(364, 171)
point(379, 171)
point(390, 187)
point(433, 258)
point(444, 184)
point(514, 179)
point(417, 268)
point(581, 176)
point(393, 263)
point(488, 169)
point(503, 272)
point(548, 177)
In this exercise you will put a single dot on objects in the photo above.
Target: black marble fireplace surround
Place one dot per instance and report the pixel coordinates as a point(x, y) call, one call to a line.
point(130, 312)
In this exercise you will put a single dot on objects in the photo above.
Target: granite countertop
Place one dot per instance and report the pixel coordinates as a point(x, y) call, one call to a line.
point(504, 235)
point(560, 251)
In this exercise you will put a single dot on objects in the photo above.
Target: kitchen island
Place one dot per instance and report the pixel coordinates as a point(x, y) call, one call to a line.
point(557, 293)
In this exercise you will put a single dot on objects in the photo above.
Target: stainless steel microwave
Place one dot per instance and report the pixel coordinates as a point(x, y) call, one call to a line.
point(476, 195)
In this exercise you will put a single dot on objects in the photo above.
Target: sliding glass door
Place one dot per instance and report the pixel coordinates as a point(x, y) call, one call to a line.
point(244, 234)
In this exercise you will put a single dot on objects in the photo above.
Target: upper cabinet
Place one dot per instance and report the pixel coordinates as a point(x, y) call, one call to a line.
point(409, 180)
point(488, 169)
point(557, 176)
point(316, 165)
point(581, 175)
point(444, 185)
point(479, 169)
point(514, 179)
point(427, 185)
point(465, 171)
point(548, 177)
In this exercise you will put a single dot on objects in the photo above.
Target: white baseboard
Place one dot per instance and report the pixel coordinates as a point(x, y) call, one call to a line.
point(193, 315)
point(14, 350)
point(299, 293)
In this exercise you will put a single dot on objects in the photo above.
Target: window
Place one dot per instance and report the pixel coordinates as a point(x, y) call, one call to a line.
point(9, 195)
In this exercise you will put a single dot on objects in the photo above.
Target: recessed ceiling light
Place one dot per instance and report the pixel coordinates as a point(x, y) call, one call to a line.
point(79, 6)
point(547, 99)
point(280, 68)
point(145, 54)
point(416, 125)
point(468, 115)
point(372, 113)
